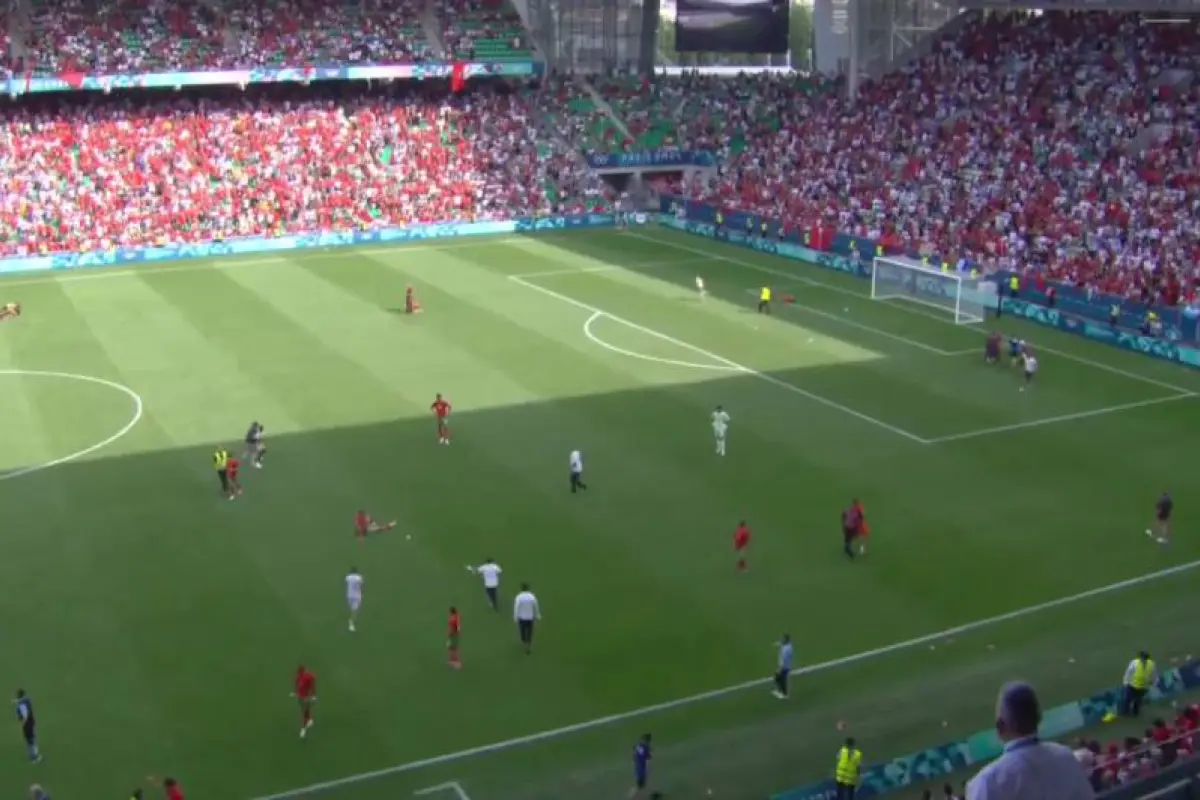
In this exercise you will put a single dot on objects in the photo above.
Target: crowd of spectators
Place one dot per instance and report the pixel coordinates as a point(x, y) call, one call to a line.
point(483, 29)
point(158, 35)
point(1134, 758)
point(1064, 142)
point(144, 170)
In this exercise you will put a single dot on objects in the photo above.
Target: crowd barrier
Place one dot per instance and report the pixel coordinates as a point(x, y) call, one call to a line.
point(665, 157)
point(29, 83)
point(1179, 324)
point(983, 746)
point(1167, 349)
point(251, 245)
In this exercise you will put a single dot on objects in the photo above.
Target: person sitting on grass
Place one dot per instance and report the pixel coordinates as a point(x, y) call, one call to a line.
point(411, 306)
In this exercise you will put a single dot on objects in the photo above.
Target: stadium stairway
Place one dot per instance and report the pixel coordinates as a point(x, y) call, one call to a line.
point(433, 30)
point(602, 105)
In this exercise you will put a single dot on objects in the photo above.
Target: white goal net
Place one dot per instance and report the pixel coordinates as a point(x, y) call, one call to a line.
point(966, 298)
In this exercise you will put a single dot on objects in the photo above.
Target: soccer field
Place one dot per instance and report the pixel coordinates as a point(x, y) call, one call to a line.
point(157, 625)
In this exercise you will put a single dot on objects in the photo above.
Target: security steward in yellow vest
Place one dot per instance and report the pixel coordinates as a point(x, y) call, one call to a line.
point(221, 465)
point(764, 300)
point(845, 774)
point(1140, 675)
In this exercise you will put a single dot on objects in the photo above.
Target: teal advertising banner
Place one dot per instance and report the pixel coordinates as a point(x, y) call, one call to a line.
point(983, 746)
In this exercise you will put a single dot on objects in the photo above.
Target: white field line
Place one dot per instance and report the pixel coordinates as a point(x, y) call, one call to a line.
point(842, 320)
point(1098, 412)
point(550, 273)
point(732, 365)
point(138, 410)
point(453, 786)
point(824, 666)
point(590, 334)
point(716, 255)
point(100, 272)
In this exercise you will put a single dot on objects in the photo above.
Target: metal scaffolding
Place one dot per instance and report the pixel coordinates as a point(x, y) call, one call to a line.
point(588, 36)
point(893, 32)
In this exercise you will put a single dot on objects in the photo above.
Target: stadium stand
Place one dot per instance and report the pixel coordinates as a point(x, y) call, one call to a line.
point(1134, 759)
point(154, 35)
point(140, 170)
point(981, 150)
point(488, 30)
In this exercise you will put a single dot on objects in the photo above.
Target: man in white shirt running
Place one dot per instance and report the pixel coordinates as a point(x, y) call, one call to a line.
point(576, 461)
point(354, 595)
point(490, 571)
point(526, 612)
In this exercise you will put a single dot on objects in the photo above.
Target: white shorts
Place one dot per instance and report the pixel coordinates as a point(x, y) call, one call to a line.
point(354, 601)
point(719, 433)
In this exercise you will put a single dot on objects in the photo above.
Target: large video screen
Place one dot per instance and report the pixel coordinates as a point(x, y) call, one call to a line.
point(731, 26)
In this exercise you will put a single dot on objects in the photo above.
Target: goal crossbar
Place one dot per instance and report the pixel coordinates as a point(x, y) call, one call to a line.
point(964, 296)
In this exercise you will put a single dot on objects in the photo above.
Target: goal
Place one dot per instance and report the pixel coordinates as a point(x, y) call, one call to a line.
point(966, 298)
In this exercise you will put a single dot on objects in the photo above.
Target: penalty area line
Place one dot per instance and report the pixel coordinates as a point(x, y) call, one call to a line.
point(590, 334)
point(452, 786)
point(733, 366)
point(824, 666)
point(720, 254)
point(1037, 423)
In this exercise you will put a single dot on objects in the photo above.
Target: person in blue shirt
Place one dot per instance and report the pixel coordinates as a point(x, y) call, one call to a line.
point(28, 724)
point(1016, 348)
point(641, 765)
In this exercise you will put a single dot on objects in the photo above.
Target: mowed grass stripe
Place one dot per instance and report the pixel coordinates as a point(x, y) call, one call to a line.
point(1104, 358)
point(950, 380)
point(183, 480)
point(338, 470)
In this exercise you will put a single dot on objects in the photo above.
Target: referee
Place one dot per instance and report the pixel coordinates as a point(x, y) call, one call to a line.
point(221, 465)
point(576, 464)
point(525, 613)
point(764, 300)
point(784, 670)
point(28, 722)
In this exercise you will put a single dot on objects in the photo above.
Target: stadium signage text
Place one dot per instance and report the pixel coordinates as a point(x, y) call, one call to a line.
point(18, 84)
point(256, 244)
point(663, 157)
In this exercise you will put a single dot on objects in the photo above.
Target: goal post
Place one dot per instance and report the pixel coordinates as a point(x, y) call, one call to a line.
point(963, 296)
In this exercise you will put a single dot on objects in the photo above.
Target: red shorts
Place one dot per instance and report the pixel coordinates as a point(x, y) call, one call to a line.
point(233, 475)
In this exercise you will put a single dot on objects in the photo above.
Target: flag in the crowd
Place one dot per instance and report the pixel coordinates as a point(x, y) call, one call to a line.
point(458, 77)
point(72, 76)
point(385, 157)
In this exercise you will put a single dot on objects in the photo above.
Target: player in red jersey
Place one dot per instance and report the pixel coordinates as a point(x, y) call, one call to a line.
point(852, 527)
point(231, 472)
point(411, 306)
point(171, 788)
point(991, 350)
point(364, 524)
point(441, 410)
point(452, 639)
point(306, 695)
point(864, 530)
point(741, 542)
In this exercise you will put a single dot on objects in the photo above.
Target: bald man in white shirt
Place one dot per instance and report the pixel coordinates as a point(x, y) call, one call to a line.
point(1029, 769)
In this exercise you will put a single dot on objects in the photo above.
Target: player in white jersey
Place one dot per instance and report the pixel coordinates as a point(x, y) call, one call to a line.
point(354, 594)
point(490, 571)
point(700, 290)
point(1030, 365)
point(720, 425)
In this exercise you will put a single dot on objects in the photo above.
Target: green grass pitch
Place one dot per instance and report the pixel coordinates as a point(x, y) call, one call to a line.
point(157, 625)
